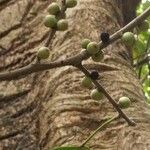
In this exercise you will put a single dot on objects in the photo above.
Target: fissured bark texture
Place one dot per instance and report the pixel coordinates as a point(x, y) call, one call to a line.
point(50, 108)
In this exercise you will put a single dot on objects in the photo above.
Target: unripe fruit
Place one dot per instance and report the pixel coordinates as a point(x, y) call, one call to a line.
point(62, 25)
point(85, 42)
point(50, 21)
point(86, 82)
point(105, 37)
point(128, 38)
point(71, 3)
point(124, 102)
point(53, 8)
point(43, 53)
point(98, 56)
point(143, 26)
point(92, 48)
point(94, 75)
point(96, 95)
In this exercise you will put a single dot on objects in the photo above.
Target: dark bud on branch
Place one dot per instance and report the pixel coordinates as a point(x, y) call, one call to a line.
point(105, 37)
point(94, 75)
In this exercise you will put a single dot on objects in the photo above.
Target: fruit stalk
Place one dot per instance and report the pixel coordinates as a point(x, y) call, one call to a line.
point(98, 129)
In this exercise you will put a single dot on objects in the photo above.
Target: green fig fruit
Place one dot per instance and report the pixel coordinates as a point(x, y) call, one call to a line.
point(62, 25)
point(96, 95)
point(53, 8)
point(71, 3)
point(124, 102)
point(50, 21)
point(128, 38)
point(92, 48)
point(86, 82)
point(84, 43)
point(43, 53)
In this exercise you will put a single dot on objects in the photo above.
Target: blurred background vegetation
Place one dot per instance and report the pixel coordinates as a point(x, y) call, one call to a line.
point(141, 52)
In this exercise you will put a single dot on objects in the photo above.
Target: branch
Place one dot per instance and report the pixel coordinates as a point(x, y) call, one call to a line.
point(19, 73)
point(32, 68)
point(111, 100)
point(129, 26)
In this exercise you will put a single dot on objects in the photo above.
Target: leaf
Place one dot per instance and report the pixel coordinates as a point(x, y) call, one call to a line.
point(71, 148)
point(139, 47)
point(146, 5)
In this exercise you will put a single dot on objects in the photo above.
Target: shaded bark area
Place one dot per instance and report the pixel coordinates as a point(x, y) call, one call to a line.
point(128, 8)
point(57, 110)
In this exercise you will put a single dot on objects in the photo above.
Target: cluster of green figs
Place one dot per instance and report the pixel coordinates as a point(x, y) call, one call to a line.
point(129, 39)
point(97, 55)
point(52, 21)
point(91, 47)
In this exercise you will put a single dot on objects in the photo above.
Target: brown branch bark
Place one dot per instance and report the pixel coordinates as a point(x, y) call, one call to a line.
point(16, 74)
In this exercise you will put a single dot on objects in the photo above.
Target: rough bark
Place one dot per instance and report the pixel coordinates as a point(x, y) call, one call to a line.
point(57, 110)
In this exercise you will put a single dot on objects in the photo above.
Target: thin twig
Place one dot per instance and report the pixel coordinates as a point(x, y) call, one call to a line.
point(148, 45)
point(111, 100)
point(50, 37)
point(98, 129)
point(140, 71)
point(128, 27)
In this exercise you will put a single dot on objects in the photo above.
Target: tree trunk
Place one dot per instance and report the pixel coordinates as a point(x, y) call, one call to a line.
point(57, 110)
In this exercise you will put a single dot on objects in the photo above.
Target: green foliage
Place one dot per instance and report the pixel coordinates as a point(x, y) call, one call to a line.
point(141, 50)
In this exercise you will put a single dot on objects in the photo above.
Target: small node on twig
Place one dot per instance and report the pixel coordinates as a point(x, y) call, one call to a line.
point(105, 37)
point(98, 56)
point(96, 95)
point(94, 75)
